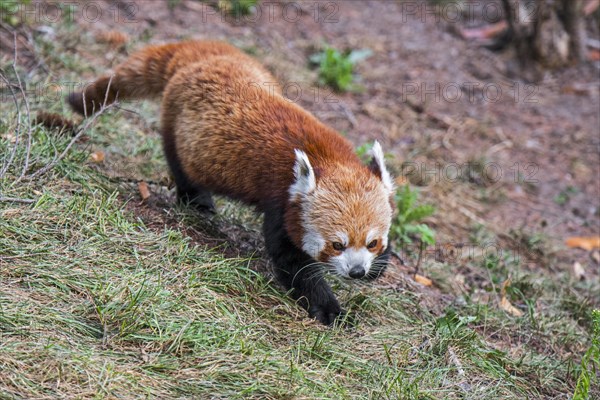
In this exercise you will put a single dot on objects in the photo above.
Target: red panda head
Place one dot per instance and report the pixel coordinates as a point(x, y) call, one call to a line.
point(345, 213)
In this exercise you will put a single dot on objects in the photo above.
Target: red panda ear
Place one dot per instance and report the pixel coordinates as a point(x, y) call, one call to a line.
point(378, 167)
point(305, 180)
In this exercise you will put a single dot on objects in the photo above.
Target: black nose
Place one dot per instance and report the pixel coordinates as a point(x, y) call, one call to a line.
point(357, 272)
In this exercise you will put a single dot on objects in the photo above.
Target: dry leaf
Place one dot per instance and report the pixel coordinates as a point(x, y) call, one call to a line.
point(487, 32)
point(578, 271)
point(586, 243)
point(11, 137)
point(144, 191)
point(596, 256)
point(97, 157)
point(423, 280)
point(509, 308)
point(505, 304)
point(579, 89)
point(113, 38)
point(594, 55)
point(590, 7)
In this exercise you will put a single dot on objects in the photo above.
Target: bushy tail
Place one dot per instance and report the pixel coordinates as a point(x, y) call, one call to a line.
point(145, 74)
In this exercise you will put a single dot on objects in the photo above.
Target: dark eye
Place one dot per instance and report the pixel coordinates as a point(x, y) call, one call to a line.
point(338, 246)
point(372, 245)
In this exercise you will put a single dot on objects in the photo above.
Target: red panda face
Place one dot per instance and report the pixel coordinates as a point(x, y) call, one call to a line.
point(346, 216)
point(346, 224)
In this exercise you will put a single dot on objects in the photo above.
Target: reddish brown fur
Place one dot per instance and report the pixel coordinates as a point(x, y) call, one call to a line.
point(229, 133)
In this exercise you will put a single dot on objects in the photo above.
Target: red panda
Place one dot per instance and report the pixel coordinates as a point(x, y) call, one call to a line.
point(228, 130)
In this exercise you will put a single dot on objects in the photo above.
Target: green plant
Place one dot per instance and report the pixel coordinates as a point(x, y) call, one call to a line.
point(238, 8)
point(10, 11)
point(405, 226)
point(362, 151)
point(173, 4)
point(565, 195)
point(590, 363)
point(336, 69)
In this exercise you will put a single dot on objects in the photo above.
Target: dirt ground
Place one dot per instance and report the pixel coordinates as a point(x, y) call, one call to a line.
point(443, 107)
point(488, 148)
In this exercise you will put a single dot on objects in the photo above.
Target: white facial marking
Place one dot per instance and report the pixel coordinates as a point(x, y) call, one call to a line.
point(386, 178)
point(312, 241)
point(305, 181)
point(371, 235)
point(352, 257)
point(342, 238)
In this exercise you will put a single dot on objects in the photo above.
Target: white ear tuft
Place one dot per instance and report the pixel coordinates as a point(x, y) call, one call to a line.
point(379, 168)
point(305, 181)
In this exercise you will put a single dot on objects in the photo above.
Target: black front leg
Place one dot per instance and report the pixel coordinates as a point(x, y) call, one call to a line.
point(294, 270)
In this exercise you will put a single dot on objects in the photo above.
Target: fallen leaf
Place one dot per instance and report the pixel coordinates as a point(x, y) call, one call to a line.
point(97, 157)
point(423, 280)
point(590, 7)
point(594, 55)
point(586, 243)
point(505, 304)
point(509, 308)
point(578, 271)
point(112, 38)
point(578, 89)
point(487, 32)
point(11, 137)
point(596, 256)
point(143, 189)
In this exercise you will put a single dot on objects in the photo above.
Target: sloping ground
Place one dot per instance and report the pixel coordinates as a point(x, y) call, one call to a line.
point(103, 295)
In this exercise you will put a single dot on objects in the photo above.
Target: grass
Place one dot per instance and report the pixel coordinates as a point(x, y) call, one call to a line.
point(98, 300)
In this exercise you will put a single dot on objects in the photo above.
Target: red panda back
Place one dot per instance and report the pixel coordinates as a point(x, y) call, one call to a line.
point(236, 137)
point(146, 73)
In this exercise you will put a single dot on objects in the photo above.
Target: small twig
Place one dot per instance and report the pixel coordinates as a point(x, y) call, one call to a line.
point(446, 139)
point(456, 361)
point(418, 265)
point(349, 114)
point(16, 200)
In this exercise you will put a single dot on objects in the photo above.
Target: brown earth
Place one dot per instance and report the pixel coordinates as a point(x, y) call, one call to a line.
point(534, 140)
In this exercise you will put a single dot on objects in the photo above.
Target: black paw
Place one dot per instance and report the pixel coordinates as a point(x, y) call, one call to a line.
point(330, 314)
point(202, 202)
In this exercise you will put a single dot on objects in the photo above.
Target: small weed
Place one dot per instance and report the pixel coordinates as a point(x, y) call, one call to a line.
point(481, 235)
point(9, 11)
point(480, 172)
point(565, 195)
point(173, 4)
point(363, 151)
point(533, 247)
point(238, 8)
point(336, 69)
point(406, 226)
